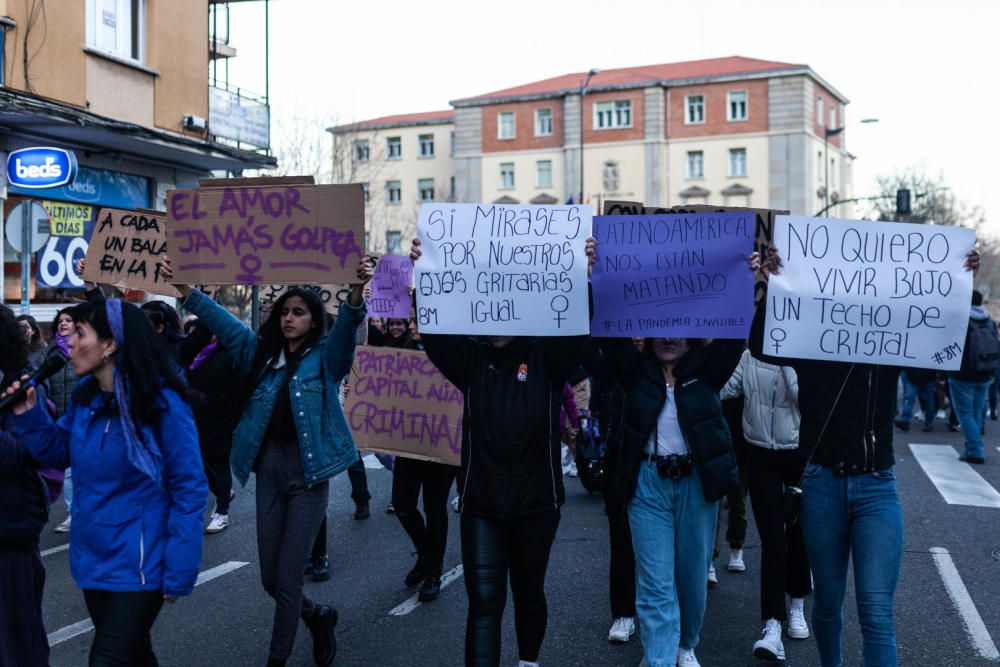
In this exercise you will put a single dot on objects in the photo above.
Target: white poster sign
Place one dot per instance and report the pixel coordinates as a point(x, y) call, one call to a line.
point(870, 292)
point(501, 270)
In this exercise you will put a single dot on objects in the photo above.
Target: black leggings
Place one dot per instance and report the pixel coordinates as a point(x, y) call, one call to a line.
point(220, 482)
point(408, 476)
point(491, 548)
point(122, 622)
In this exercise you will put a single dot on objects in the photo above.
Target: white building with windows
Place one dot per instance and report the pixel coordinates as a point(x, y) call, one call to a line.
point(729, 131)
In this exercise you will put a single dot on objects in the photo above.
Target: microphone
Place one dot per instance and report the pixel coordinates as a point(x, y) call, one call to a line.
point(52, 365)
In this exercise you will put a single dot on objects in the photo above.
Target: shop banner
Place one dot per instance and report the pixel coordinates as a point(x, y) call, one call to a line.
point(400, 403)
point(503, 270)
point(673, 276)
point(259, 235)
point(870, 292)
point(125, 250)
point(71, 226)
point(391, 288)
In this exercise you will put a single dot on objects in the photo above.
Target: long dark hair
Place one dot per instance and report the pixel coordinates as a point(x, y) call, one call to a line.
point(37, 341)
point(271, 341)
point(147, 363)
point(13, 349)
point(163, 314)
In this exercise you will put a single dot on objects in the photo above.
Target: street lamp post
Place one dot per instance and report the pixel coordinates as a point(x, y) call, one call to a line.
point(583, 92)
point(827, 133)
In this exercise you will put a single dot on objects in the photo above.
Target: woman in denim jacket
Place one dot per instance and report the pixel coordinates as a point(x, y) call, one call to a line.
point(293, 434)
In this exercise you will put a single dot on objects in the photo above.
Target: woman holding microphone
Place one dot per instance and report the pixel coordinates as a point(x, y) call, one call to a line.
point(139, 485)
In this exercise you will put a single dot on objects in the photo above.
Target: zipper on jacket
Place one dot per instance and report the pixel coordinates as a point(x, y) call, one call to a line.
point(142, 554)
point(468, 469)
point(104, 436)
point(552, 470)
point(871, 416)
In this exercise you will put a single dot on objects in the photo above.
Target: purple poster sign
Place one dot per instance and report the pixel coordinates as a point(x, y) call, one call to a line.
point(390, 287)
point(676, 276)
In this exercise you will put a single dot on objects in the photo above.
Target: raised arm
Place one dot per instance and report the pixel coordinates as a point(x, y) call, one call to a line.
point(338, 353)
point(734, 386)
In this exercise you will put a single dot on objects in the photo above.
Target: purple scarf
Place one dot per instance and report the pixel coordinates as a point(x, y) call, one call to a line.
point(63, 343)
point(205, 353)
point(145, 456)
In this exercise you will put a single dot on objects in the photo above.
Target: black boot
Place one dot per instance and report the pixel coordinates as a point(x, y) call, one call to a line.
point(321, 623)
point(417, 574)
point(361, 510)
point(431, 588)
point(274, 662)
point(319, 568)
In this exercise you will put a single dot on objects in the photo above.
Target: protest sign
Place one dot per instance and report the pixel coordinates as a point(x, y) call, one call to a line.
point(71, 228)
point(331, 295)
point(870, 292)
point(503, 270)
point(676, 276)
point(263, 231)
point(615, 207)
point(391, 288)
point(125, 249)
point(400, 403)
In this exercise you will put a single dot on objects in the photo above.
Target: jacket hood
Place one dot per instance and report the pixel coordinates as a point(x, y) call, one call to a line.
point(979, 313)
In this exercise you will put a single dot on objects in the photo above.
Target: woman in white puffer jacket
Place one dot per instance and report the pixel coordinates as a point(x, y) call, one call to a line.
point(771, 426)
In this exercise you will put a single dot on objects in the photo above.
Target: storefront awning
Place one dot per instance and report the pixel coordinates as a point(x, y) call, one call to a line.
point(28, 114)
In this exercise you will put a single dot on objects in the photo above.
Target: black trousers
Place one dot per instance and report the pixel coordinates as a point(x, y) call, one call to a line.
point(359, 481)
point(490, 549)
point(784, 567)
point(220, 482)
point(22, 633)
point(409, 476)
point(289, 514)
point(622, 579)
point(122, 622)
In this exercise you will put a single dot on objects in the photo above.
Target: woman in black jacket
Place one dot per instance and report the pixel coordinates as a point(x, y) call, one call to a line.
point(23, 514)
point(61, 386)
point(675, 462)
point(510, 481)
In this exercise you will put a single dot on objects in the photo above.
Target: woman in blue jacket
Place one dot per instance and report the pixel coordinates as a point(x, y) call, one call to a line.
point(140, 489)
point(293, 435)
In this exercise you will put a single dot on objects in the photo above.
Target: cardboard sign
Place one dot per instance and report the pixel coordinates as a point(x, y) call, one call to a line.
point(673, 276)
point(391, 288)
point(253, 231)
point(503, 270)
point(613, 207)
point(399, 403)
point(125, 249)
point(871, 292)
point(332, 296)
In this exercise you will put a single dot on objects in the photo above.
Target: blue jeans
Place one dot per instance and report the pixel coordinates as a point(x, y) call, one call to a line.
point(673, 531)
point(969, 401)
point(910, 393)
point(853, 518)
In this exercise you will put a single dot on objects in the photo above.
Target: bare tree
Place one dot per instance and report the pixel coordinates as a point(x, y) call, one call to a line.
point(933, 202)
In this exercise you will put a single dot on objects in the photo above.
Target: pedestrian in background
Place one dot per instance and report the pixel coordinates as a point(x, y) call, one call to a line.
point(61, 386)
point(140, 489)
point(970, 384)
point(34, 338)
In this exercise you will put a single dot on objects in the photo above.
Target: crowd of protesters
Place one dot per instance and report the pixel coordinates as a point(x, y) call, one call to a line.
point(154, 415)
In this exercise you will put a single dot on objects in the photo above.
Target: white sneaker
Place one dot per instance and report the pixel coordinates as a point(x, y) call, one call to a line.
point(571, 470)
point(713, 580)
point(454, 503)
point(525, 663)
point(685, 658)
point(218, 523)
point(797, 627)
point(65, 526)
point(736, 561)
point(621, 630)
point(769, 646)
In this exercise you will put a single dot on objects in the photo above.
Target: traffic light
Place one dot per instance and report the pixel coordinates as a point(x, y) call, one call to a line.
point(903, 202)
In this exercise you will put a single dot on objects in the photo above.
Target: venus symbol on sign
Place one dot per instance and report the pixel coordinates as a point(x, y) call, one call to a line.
point(778, 336)
point(559, 305)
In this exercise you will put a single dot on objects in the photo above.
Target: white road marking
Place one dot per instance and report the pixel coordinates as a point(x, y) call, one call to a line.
point(957, 482)
point(959, 595)
point(414, 602)
point(372, 462)
point(83, 627)
point(55, 550)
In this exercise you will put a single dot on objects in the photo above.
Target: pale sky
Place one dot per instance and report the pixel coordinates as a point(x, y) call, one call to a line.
point(927, 69)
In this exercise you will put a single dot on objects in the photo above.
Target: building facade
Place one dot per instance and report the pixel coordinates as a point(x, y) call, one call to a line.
point(729, 131)
point(122, 87)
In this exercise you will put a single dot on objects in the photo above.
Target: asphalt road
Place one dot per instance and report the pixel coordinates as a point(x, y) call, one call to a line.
point(228, 619)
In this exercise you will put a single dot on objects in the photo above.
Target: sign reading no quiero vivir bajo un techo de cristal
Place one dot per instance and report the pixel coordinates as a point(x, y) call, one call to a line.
point(683, 275)
point(494, 269)
point(870, 292)
point(258, 234)
point(399, 403)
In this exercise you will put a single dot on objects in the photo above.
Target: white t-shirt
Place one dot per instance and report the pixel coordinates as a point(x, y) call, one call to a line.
point(667, 437)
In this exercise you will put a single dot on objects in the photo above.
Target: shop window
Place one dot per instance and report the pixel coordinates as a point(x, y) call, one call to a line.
point(117, 27)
